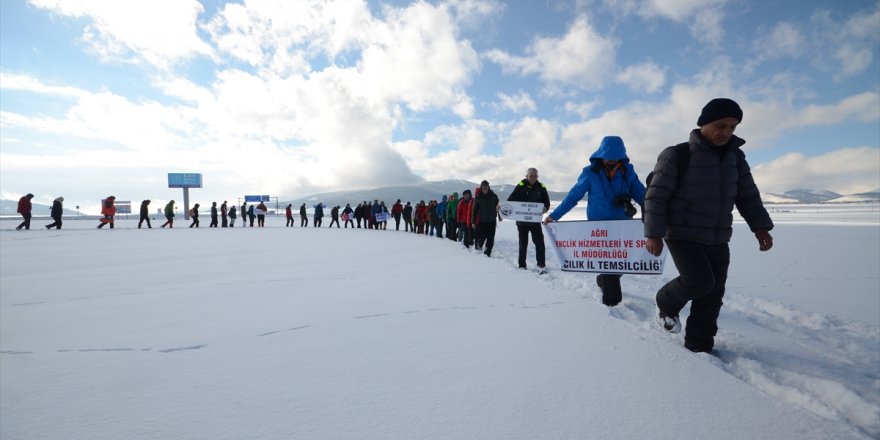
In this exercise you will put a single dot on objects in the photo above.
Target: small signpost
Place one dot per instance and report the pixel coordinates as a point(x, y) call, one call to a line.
point(185, 181)
point(123, 207)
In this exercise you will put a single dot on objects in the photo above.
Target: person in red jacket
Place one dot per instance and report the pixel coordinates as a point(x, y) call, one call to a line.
point(108, 210)
point(396, 210)
point(421, 216)
point(289, 213)
point(463, 214)
point(24, 208)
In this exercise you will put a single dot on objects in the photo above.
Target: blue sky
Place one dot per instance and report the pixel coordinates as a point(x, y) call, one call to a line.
point(292, 98)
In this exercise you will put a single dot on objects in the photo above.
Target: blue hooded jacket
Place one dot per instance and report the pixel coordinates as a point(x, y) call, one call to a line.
point(441, 208)
point(602, 192)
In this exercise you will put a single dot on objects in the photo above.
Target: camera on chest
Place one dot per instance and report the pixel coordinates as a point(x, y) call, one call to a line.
point(626, 202)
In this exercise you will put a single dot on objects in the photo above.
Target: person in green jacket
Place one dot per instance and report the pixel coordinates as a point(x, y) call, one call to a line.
point(451, 223)
point(169, 214)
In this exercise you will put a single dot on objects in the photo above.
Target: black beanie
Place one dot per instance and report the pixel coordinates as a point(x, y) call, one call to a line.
point(719, 108)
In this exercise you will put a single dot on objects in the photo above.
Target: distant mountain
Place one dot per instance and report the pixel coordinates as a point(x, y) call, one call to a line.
point(777, 199)
point(811, 195)
point(866, 197)
point(412, 193)
point(9, 207)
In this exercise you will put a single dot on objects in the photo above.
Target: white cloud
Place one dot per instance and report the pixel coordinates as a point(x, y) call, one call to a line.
point(159, 32)
point(704, 18)
point(582, 57)
point(582, 109)
point(784, 41)
point(28, 83)
point(646, 77)
point(851, 41)
point(270, 34)
point(518, 103)
point(845, 171)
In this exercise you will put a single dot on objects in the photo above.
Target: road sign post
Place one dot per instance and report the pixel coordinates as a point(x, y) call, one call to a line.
point(185, 181)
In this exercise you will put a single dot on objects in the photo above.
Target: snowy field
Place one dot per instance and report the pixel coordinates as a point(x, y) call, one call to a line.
point(291, 333)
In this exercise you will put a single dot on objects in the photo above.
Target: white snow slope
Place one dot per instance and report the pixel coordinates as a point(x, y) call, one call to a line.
point(281, 333)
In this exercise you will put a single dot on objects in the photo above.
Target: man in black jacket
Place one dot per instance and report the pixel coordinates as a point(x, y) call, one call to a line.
point(55, 213)
point(692, 210)
point(532, 191)
point(145, 214)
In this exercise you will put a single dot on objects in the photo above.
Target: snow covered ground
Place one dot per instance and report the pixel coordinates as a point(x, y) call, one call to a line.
point(282, 333)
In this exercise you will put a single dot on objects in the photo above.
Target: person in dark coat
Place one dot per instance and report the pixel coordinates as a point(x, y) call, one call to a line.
point(303, 218)
point(319, 215)
point(244, 214)
point(532, 191)
point(251, 215)
point(692, 210)
point(223, 212)
point(334, 216)
point(359, 214)
point(347, 212)
point(485, 211)
point(145, 214)
point(194, 214)
point(408, 218)
point(57, 211)
point(232, 216)
point(214, 216)
point(24, 208)
point(610, 182)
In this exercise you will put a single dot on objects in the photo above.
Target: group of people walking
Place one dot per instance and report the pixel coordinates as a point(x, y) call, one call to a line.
point(688, 203)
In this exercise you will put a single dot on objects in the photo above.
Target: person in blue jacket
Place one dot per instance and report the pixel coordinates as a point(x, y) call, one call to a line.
point(441, 214)
point(611, 183)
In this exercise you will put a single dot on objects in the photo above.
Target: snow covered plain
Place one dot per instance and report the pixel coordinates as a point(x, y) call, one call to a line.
point(283, 333)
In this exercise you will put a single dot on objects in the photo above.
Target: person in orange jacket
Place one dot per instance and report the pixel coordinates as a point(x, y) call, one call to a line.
point(108, 211)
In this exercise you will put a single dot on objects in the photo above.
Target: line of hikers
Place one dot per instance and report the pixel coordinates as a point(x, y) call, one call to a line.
point(687, 203)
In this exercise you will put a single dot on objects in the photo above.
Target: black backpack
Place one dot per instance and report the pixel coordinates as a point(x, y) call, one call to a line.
point(683, 159)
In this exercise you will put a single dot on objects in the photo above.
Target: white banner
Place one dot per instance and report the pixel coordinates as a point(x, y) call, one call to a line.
point(522, 211)
point(613, 246)
point(382, 216)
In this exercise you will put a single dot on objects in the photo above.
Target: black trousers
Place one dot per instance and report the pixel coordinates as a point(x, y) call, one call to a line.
point(486, 236)
point(451, 229)
point(702, 276)
point(610, 285)
point(26, 223)
point(56, 224)
point(144, 218)
point(537, 238)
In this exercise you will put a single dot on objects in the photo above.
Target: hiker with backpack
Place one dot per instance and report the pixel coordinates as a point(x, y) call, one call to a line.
point(689, 204)
point(612, 185)
point(194, 215)
point(108, 212)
